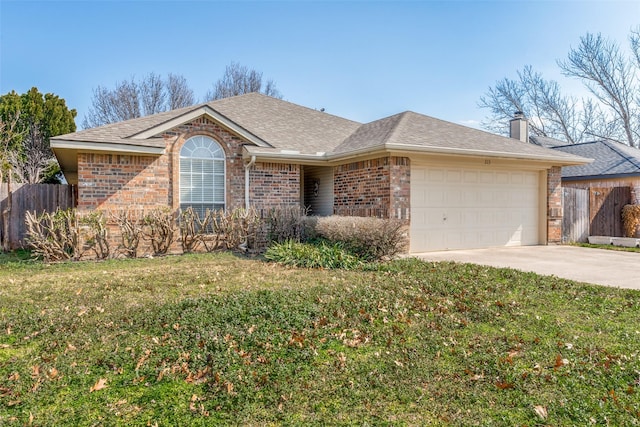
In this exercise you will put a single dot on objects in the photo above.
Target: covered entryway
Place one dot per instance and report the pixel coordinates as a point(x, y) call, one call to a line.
point(317, 189)
point(473, 205)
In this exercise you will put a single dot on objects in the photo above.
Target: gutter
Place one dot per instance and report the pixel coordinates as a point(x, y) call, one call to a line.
point(406, 148)
point(246, 181)
point(110, 147)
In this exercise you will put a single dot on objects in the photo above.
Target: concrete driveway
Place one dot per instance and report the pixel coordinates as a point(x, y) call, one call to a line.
point(598, 266)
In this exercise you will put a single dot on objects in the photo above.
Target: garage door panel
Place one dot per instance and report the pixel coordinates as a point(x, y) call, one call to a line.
point(473, 208)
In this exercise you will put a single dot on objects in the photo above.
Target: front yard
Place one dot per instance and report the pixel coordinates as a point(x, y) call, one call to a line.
point(215, 339)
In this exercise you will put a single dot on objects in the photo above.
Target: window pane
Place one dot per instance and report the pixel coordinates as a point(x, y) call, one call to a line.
point(202, 174)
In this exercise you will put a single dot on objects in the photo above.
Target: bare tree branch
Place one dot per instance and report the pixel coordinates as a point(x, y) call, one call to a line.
point(610, 77)
point(178, 92)
point(152, 95)
point(238, 80)
point(130, 99)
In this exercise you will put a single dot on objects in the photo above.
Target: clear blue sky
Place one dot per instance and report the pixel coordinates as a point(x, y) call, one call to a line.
point(361, 60)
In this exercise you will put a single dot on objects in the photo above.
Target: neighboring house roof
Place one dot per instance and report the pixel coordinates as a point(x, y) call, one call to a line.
point(611, 159)
point(282, 130)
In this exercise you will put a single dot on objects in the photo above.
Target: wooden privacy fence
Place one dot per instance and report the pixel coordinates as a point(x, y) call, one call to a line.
point(30, 197)
point(575, 219)
point(593, 212)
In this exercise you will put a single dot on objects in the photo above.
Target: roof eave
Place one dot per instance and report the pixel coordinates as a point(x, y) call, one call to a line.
point(412, 149)
point(194, 114)
point(111, 147)
point(562, 160)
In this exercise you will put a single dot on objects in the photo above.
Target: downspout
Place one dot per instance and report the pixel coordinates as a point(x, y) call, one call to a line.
point(246, 181)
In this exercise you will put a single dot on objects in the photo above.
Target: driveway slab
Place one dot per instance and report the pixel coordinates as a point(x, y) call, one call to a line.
point(590, 265)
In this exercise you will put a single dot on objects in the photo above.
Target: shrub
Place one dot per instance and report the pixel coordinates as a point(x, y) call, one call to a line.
point(236, 229)
point(630, 219)
point(192, 229)
point(290, 223)
point(369, 238)
point(131, 228)
point(160, 230)
point(320, 254)
point(94, 234)
point(54, 236)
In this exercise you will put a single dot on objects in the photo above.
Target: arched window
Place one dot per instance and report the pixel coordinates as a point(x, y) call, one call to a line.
point(202, 175)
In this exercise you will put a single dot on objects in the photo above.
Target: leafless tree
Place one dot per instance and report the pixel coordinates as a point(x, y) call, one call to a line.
point(238, 80)
point(29, 167)
point(178, 92)
point(551, 113)
point(612, 78)
point(8, 134)
point(130, 99)
point(152, 94)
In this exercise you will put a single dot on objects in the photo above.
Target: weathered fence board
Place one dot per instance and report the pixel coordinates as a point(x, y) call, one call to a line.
point(605, 210)
point(30, 197)
point(575, 221)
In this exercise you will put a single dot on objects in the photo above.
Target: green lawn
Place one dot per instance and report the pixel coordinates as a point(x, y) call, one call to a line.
point(216, 339)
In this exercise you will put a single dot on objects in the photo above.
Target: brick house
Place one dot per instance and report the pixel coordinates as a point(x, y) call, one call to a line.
point(457, 187)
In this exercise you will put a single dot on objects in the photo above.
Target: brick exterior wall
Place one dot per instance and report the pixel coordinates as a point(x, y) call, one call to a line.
point(274, 185)
point(554, 205)
point(377, 187)
point(400, 173)
point(110, 181)
point(115, 182)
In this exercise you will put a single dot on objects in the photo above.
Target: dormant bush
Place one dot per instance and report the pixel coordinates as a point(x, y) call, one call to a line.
point(369, 238)
point(130, 224)
point(160, 229)
point(289, 223)
point(630, 219)
point(94, 234)
point(54, 236)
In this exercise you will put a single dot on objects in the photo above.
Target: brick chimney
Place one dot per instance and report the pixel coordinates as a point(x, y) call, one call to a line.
point(519, 127)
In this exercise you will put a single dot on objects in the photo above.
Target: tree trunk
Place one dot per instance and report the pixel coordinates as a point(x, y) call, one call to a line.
point(6, 217)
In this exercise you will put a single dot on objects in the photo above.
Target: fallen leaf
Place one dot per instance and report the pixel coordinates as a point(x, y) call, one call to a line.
point(559, 362)
point(504, 385)
point(53, 373)
point(99, 385)
point(541, 411)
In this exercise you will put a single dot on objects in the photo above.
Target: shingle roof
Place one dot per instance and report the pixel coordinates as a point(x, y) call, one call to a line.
point(288, 127)
point(611, 158)
point(282, 124)
point(418, 130)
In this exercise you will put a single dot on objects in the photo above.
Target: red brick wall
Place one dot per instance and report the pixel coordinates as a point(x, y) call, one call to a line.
point(274, 184)
point(554, 206)
point(110, 181)
point(378, 187)
point(400, 173)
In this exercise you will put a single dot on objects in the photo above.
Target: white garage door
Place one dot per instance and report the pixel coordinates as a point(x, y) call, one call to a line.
point(460, 207)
